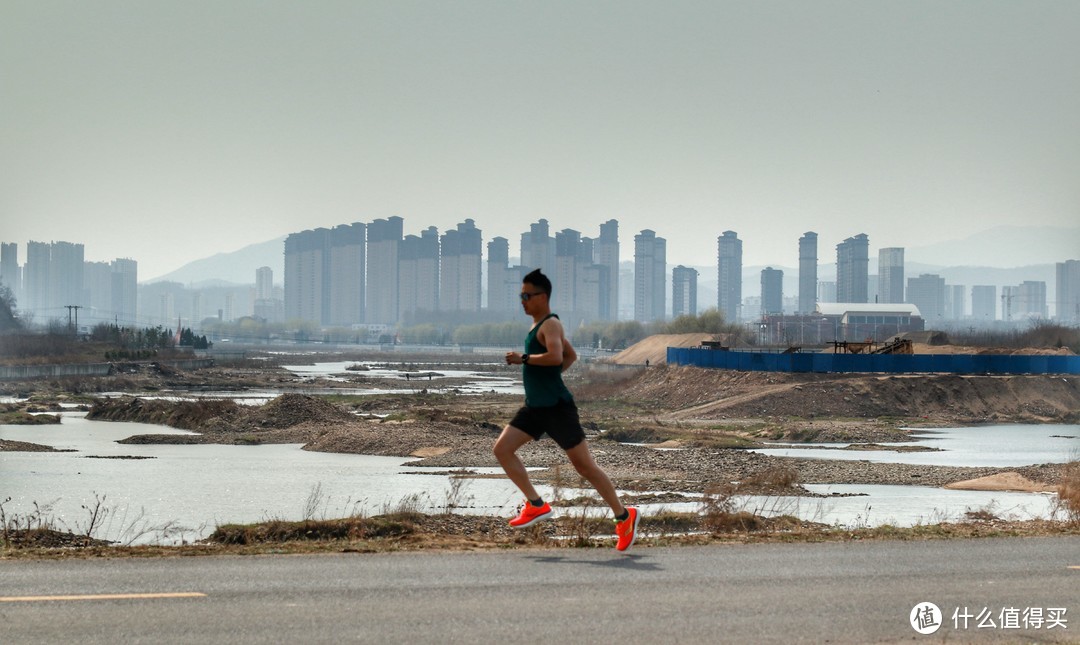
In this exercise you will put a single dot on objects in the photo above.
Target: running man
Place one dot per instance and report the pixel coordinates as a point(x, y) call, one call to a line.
point(550, 408)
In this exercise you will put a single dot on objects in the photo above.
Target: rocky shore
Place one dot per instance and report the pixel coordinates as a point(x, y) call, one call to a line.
point(660, 429)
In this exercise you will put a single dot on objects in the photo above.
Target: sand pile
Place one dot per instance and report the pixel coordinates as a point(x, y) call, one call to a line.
point(654, 348)
point(1008, 481)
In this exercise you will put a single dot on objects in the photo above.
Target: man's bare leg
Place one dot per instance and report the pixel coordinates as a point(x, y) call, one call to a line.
point(586, 466)
point(506, 447)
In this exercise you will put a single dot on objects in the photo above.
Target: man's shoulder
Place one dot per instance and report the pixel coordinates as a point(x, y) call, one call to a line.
point(551, 322)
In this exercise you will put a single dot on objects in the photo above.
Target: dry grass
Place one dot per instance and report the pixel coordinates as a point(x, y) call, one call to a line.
point(382, 534)
point(279, 531)
point(1069, 492)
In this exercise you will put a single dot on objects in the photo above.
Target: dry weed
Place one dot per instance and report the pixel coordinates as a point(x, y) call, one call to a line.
point(1069, 491)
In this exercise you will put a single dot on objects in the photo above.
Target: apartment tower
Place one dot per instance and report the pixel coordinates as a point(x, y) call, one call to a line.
point(808, 273)
point(650, 268)
point(852, 269)
point(891, 275)
point(729, 276)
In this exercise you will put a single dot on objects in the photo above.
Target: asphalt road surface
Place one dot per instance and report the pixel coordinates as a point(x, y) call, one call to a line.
point(860, 592)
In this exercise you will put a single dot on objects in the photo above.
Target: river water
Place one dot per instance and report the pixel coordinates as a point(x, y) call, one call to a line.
point(199, 486)
point(174, 493)
point(990, 445)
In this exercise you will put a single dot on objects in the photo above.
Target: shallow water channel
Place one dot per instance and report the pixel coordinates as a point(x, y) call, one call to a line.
point(174, 493)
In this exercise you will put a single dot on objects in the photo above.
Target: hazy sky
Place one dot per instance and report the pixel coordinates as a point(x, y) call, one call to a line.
point(168, 131)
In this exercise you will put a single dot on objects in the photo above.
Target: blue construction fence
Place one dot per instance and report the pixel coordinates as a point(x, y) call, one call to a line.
point(880, 363)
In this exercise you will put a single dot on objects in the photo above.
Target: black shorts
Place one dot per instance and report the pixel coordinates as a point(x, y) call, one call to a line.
point(560, 422)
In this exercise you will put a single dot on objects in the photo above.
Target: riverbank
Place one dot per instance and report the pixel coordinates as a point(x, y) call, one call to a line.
point(452, 532)
point(659, 432)
point(660, 429)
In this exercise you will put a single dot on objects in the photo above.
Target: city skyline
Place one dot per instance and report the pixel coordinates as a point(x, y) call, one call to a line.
point(329, 278)
point(169, 133)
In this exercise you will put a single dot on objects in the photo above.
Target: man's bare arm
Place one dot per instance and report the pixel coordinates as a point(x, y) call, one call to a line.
point(550, 336)
point(569, 355)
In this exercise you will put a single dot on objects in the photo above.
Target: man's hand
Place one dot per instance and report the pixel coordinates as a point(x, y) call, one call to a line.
point(513, 358)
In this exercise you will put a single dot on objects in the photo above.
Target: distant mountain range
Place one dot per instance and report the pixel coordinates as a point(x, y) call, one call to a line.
point(1001, 255)
point(1002, 247)
point(237, 267)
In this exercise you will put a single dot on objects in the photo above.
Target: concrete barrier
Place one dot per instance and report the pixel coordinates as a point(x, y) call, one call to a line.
point(15, 372)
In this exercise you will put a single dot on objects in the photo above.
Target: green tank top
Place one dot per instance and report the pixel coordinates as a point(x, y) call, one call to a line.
point(544, 386)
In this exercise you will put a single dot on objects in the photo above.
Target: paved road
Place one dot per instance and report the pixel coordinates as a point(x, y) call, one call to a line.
point(780, 593)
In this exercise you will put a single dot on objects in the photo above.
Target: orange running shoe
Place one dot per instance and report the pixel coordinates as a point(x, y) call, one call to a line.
point(627, 529)
point(530, 515)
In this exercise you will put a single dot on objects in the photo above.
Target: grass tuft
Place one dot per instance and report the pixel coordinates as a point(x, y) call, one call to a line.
point(1068, 491)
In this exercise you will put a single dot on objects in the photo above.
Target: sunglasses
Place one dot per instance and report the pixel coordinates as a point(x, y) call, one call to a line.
point(525, 295)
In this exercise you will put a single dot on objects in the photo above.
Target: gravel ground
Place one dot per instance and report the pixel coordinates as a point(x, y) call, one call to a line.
point(460, 430)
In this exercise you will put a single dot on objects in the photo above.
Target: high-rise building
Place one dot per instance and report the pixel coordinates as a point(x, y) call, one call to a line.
point(10, 273)
point(606, 254)
point(97, 292)
point(324, 275)
point(53, 279)
point(594, 287)
point(504, 281)
point(498, 265)
point(1032, 299)
point(683, 291)
point(808, 273)
point(538, 248)
point(418, 273)
point(564, 273)
point(266, 306)
point(984, 303)
point(581, 286)
point(125, 291)
point(462, 266)
point(167, 307)
point(264, 283)
point(853, 269)
point(196, 307)
point(109, 291)
point(626, 291)
point(891, 275)
point(927, 292)
point(305, 274)
point(954, 302)
point(66, 274)
point(36, 278)
point(1068, 292)
point(345, 276)
point(826, 291)
point(1010, 303)
point(650, 276)
point(384, 242)
point(772, 291)
point(729, 276)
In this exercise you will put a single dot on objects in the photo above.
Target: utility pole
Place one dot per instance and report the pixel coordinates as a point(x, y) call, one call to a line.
point(74, 329)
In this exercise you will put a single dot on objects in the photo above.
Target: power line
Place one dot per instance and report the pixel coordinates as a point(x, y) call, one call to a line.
point(76, 308)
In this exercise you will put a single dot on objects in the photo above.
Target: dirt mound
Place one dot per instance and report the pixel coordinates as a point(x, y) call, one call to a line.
point(289, 410)
point(713, 394)
point(186, 415)
point(286, 411)
point(654, 348)
point(24, 446)
point(399, 439)
point(923, 348)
